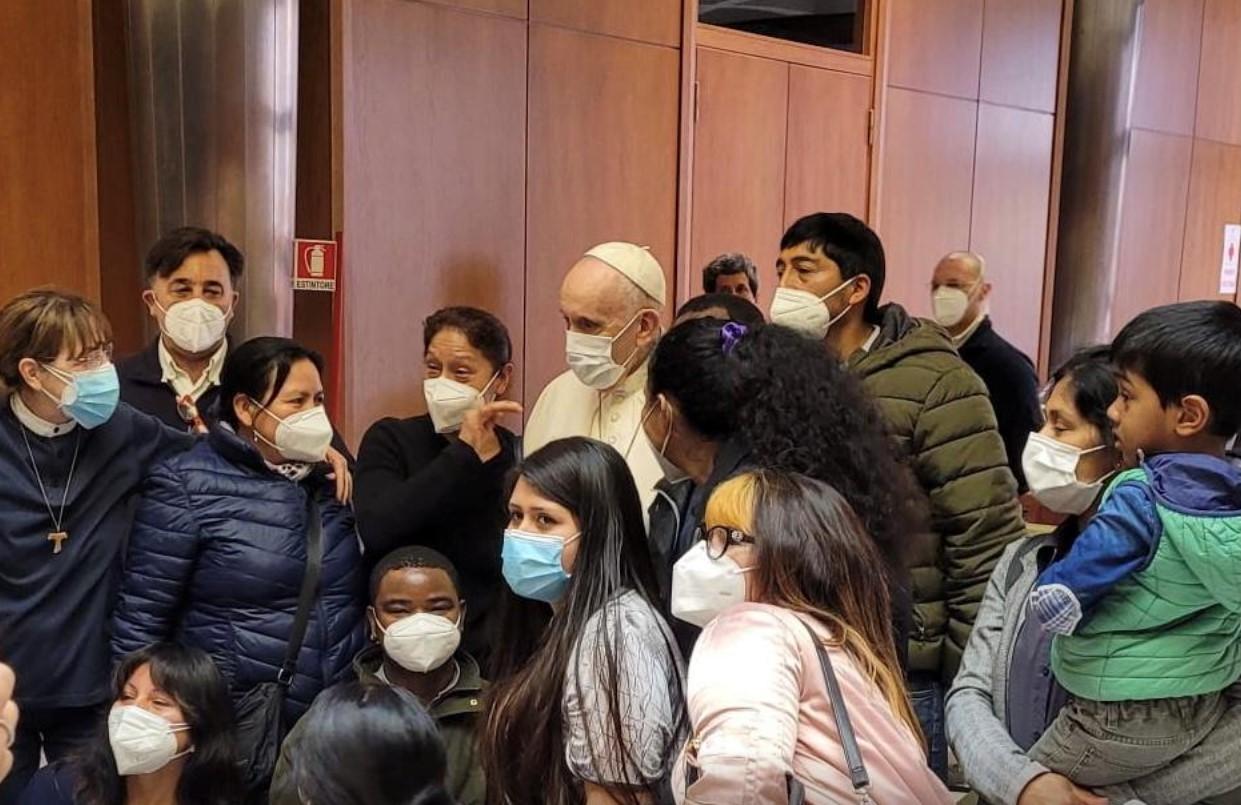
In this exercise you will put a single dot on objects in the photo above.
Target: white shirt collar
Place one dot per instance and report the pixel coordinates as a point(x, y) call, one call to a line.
point(35, 423)
point(180, 380)
point(958, 340)
point(871, 339)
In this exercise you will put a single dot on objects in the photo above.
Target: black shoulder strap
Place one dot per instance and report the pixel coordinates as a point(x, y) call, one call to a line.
point(310, 587)
point(848, 740)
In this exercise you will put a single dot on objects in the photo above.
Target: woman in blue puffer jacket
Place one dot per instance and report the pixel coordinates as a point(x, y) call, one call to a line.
point(218, 549)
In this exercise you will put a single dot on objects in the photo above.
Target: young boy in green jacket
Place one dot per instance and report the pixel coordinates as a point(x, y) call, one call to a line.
point(1146, 605)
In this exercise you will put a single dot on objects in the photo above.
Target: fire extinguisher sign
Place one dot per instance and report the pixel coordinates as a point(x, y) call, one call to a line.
point(314, 265)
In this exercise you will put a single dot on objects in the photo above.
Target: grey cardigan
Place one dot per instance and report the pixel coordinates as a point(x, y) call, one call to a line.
point(997, 768)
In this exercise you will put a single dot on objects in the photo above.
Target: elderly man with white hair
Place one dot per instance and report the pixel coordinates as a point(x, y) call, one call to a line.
point(611, 301)
point(959, 293)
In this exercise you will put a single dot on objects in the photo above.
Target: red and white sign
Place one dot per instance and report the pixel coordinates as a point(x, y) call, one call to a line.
point(1228, 263)
point(314, 265)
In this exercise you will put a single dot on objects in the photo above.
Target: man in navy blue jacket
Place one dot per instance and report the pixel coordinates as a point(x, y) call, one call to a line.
point(193, 276)
point(192, 279)
point(71, 459)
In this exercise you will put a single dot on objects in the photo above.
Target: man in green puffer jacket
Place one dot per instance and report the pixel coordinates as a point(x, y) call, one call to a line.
point(832, 273)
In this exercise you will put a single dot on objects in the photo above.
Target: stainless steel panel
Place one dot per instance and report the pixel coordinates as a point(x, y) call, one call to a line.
point(214, 96)
point(1103, 63)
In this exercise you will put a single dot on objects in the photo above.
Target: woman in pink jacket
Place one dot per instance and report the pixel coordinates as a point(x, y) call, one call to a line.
point(783, 556)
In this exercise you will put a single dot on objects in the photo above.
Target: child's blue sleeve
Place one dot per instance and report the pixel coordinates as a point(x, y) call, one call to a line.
point(1118, 542)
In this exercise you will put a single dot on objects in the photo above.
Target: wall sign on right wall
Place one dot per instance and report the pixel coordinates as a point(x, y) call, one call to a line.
point(1228, 263)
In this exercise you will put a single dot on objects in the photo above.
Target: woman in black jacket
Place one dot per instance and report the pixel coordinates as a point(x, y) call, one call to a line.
point(438, 479)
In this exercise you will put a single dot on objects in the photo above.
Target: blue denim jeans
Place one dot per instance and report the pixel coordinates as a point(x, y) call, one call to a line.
point(927, 696)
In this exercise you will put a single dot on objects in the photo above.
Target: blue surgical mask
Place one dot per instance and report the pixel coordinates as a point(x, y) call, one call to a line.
point(89, 397)
point(532, 565)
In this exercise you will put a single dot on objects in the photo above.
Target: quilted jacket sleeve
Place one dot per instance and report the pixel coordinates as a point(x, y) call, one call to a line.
point(960, 461)
point(162, 550)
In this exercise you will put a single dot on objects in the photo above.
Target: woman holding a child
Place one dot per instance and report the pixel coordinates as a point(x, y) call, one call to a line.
point(1004, 713)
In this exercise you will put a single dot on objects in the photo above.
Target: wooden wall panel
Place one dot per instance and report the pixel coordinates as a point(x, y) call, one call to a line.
point(120, 255)
point(655, 21)
point(828, 153)
point(1152, 225)
point(49, 227)
point(739, 167)
point(434, 170)
point(1219, 74)
point(1166, 84)
point(928, 165)
point(510, 8)
point(1012, 181)
point(1214, 200)
point(936, 46)
point(1021, 53)
point(603, 132)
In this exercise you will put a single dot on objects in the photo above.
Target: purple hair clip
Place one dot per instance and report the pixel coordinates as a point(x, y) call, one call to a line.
point(731, 335)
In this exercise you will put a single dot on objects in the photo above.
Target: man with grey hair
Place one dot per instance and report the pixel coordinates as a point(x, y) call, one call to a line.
point(959, 292)
point(611, 301)
point(733, 274)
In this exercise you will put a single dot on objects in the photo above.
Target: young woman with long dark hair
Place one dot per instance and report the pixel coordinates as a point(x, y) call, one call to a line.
point(586, 705)
point(168, 739)
point(785, 556)
point(724, 397)
point(367, 744)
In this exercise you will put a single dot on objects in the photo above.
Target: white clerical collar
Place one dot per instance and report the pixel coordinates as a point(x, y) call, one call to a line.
point(35, 423)
point(631, 385)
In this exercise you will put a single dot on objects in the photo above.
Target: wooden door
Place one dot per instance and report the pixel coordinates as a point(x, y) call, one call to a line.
point(739, 149)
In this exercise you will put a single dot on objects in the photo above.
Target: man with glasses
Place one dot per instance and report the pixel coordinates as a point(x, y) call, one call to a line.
point(71, 458)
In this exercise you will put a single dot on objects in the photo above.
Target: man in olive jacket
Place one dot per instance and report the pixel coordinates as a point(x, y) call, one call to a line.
point(409, 582)
point(832, 273)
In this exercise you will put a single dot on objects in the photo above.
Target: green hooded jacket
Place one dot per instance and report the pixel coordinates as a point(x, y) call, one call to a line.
point(455, 712)
point(938, 411)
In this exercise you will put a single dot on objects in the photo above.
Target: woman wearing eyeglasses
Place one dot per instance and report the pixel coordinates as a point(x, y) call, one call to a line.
point(785, 567)
point(71, 457)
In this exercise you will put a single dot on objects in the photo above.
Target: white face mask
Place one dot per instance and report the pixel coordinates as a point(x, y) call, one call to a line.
point(448, 401)
point(703, 587)
point(590, 357)
point(194, 325)
point(421, 642)
point(672, 473)
point(806, 313)
point(1051, 472)
point(950, 304)
point(303, 436)
point(142, 742)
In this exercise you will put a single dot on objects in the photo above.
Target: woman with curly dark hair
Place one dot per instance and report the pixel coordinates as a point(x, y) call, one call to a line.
point(724, 397)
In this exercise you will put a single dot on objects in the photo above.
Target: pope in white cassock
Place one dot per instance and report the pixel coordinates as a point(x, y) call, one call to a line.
point(611, 300)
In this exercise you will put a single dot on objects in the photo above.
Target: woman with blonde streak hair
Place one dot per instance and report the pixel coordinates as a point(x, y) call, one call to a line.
point(793, 595)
